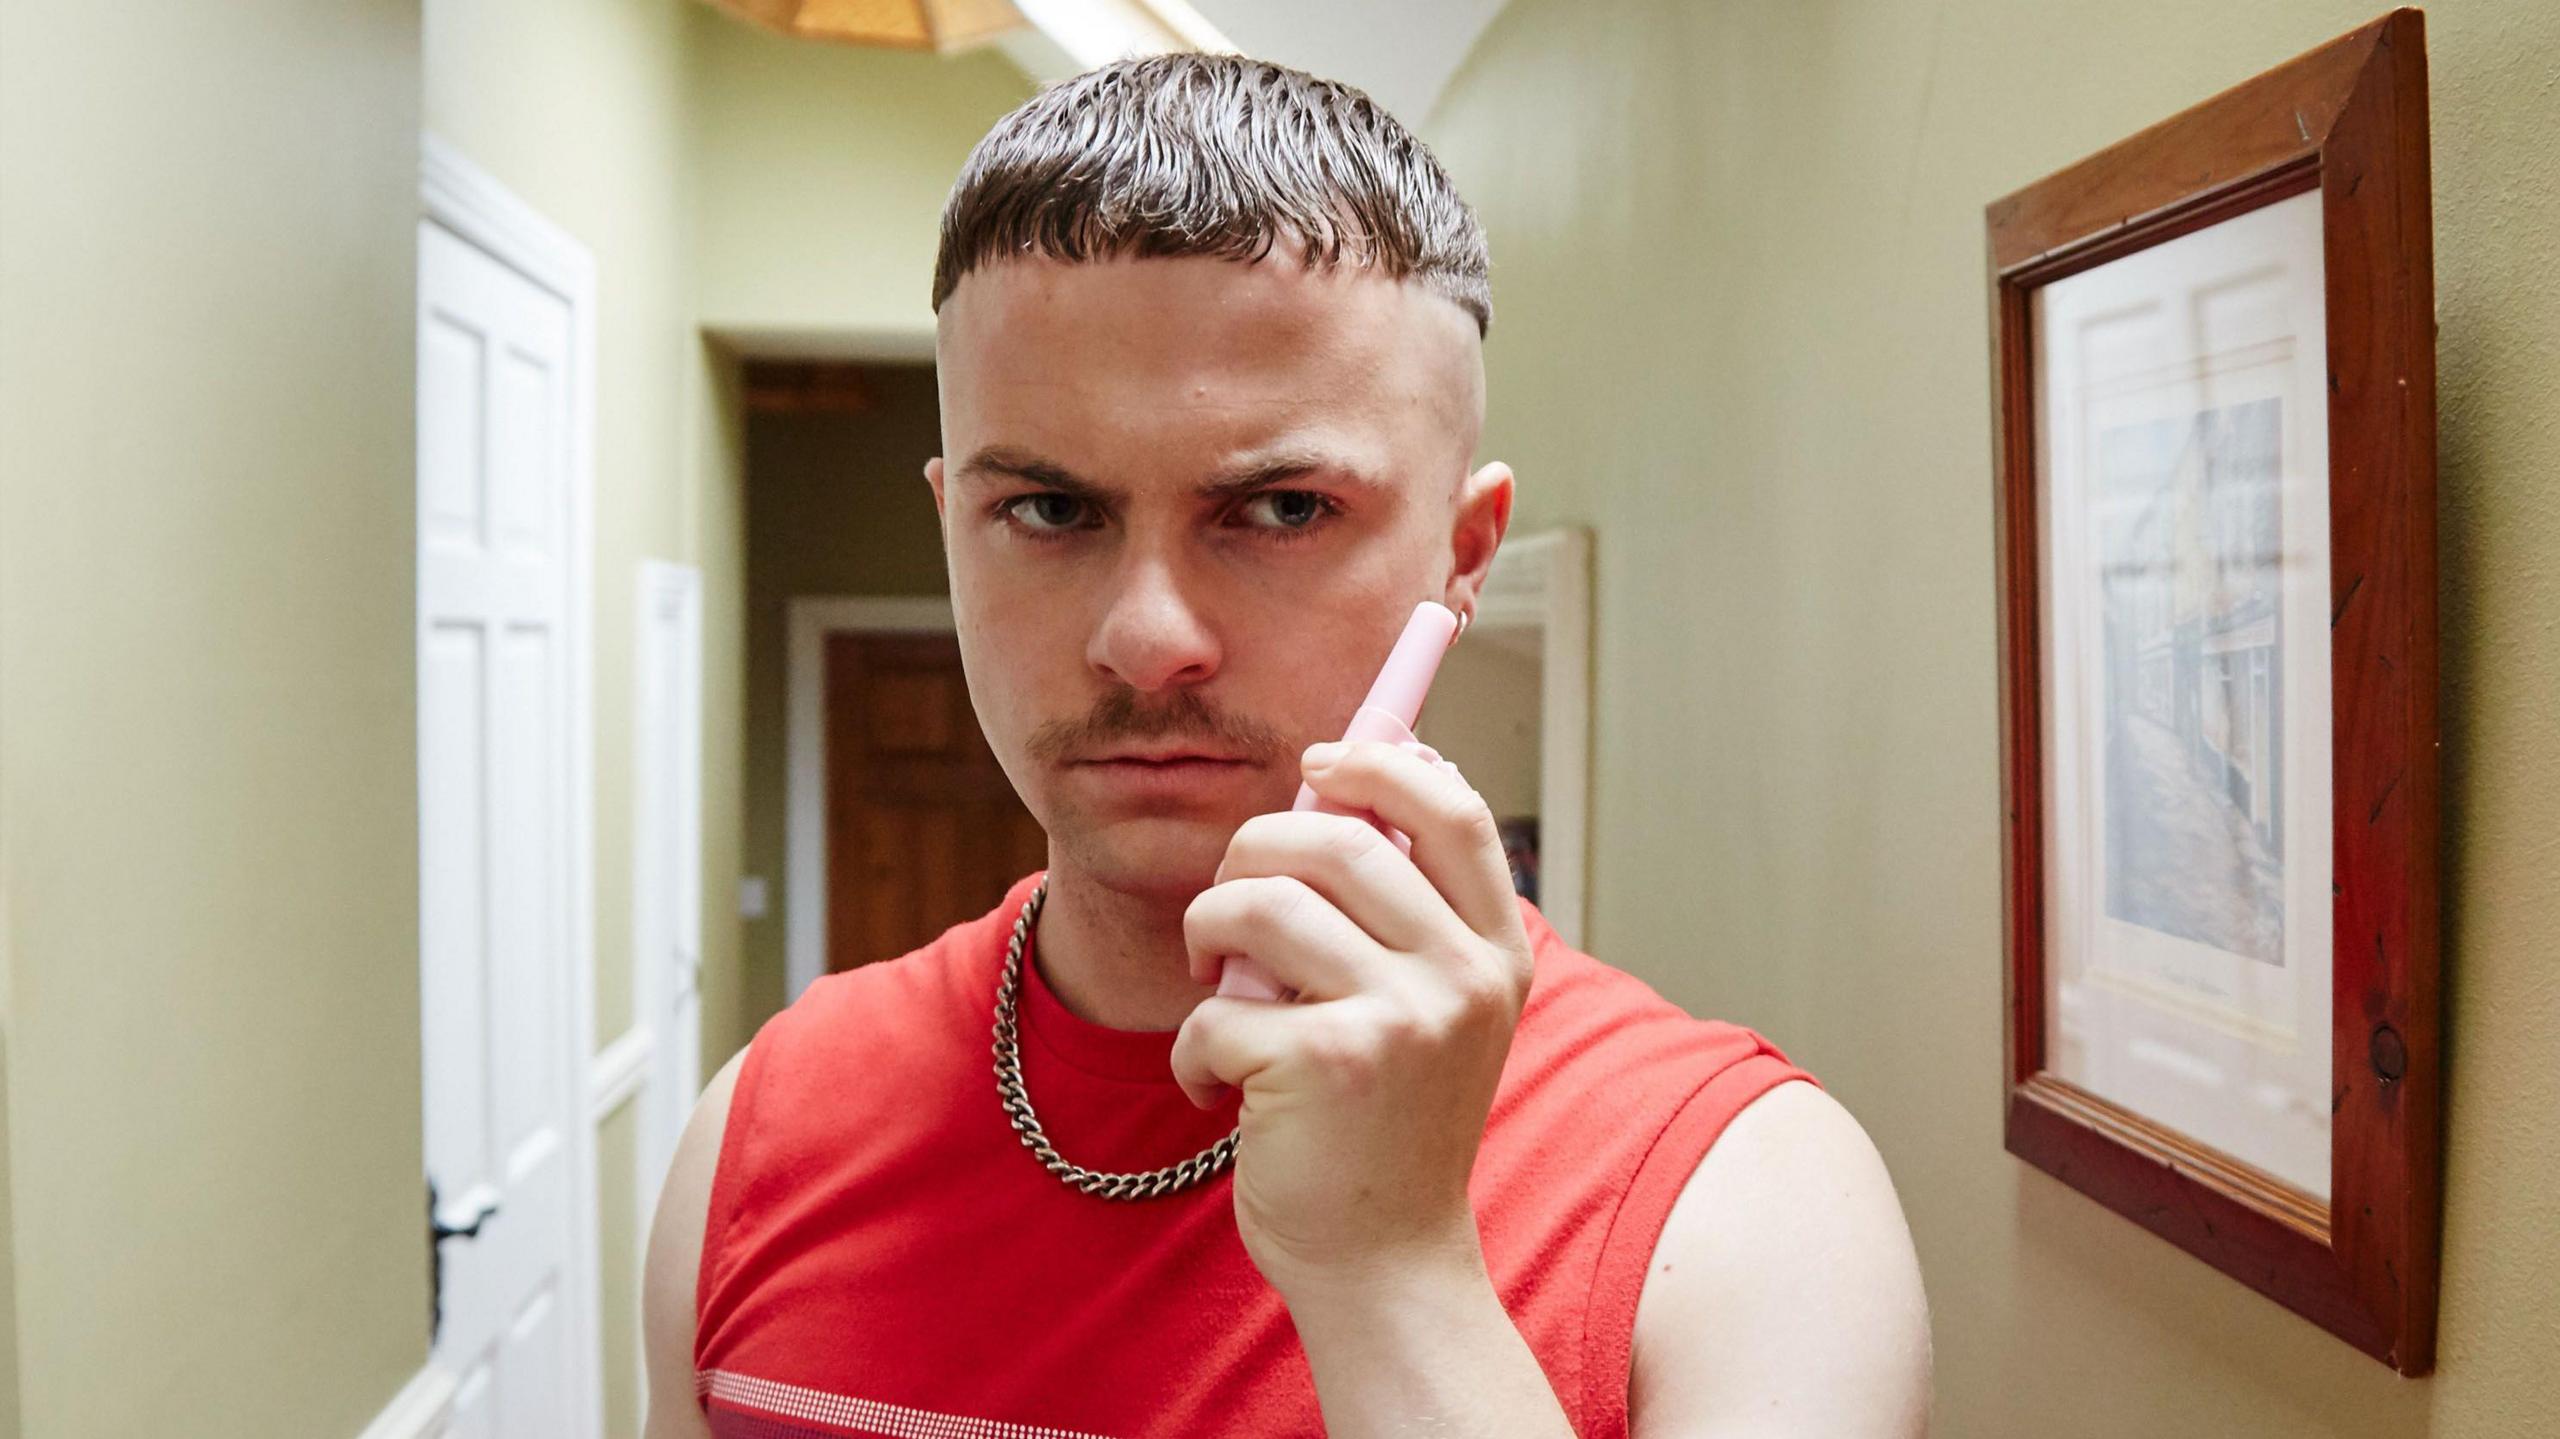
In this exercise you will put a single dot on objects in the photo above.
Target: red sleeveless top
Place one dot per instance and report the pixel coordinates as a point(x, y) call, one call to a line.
point(883, 1258)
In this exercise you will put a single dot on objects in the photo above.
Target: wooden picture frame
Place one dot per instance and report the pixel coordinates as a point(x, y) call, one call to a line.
point(2341, 132)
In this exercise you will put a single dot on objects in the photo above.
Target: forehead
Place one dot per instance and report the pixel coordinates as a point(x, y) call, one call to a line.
point(1189, 359)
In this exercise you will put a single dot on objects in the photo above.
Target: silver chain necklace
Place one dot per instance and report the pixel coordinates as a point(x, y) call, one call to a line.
point(1017, 1101)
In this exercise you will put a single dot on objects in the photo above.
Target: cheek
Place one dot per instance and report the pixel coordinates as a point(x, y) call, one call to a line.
point(1316, 672)
point(993, 656)
point(1006, 598)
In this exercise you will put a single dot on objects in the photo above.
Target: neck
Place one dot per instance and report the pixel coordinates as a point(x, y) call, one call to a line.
point(1115, 958)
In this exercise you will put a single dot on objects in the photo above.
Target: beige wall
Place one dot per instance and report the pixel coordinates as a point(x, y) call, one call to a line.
point(1741, 334)
point(822, 214)
point(621, 1233)
point(839, 507)
point(8, 1218)
point(206, 602)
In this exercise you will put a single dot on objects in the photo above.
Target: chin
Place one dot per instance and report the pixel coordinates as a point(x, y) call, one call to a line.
point(1174, 858)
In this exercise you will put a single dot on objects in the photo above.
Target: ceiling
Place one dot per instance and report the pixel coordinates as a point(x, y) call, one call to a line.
point(1403, 53)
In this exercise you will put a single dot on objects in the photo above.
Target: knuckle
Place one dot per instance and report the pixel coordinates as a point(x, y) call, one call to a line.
point(1254, 835)
point(1277, 899)
point(1206, 911)
point(1368, 754)
point(1409, 1027)
point(1191, 1043)
point(1350, 841)
point(1490, 986)
point(1353, 1055)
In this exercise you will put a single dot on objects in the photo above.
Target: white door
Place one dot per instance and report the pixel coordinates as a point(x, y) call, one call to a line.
point(667, 853)
point(494, 769)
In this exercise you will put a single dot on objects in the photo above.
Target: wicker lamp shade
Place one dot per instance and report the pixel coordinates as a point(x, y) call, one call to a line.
point(941, 25)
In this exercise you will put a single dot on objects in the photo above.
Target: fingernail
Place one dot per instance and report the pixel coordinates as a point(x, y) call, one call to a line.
point(1325, 753)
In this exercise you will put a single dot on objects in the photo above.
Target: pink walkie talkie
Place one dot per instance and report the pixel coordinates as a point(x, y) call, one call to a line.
point(1388, 714)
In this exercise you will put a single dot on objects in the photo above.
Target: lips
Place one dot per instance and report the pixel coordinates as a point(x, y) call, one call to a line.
point(1170, 780)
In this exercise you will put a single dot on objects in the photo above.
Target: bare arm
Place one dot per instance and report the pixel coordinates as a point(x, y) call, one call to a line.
point(1784, 1297)
point(675, 1253)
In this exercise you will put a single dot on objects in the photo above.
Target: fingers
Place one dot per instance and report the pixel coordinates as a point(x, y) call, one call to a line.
point(1456, 845)
point(1226, 1042)
point(1235, 1041)
point(1297, 935)
point(1350, 863)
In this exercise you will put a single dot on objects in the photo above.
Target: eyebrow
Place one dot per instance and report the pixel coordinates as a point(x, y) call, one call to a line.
point(998, 461)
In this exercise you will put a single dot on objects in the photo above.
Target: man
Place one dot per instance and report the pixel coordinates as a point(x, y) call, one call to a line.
point(1210, 354)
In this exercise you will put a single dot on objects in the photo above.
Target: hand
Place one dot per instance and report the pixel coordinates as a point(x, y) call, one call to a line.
point(1365, 1100)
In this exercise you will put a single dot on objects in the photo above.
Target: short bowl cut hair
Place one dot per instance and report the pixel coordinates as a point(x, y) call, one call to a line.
point(1220, 156)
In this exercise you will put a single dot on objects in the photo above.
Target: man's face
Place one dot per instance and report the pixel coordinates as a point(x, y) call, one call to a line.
point(1188, 505)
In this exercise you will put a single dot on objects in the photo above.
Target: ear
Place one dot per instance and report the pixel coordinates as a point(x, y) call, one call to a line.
point(933, 477)
point(1483, 515)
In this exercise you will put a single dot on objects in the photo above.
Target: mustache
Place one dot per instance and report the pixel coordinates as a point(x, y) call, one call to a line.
point(1189, 716)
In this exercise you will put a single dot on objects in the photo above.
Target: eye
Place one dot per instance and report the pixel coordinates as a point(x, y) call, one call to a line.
point(1051, 513)
point(1295, 511)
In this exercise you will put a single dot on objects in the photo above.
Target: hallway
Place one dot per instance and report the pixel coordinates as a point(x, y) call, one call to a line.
point(1739, 270)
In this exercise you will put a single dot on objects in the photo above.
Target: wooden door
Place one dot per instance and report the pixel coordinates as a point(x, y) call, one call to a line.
point(923, 829)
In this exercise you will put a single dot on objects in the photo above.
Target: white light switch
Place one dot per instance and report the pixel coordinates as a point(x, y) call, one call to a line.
point(751, 896)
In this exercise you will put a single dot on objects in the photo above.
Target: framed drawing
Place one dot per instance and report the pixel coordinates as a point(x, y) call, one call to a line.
point(2214, 353)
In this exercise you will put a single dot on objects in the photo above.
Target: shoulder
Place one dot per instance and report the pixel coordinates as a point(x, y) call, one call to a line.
point(906, 1016)
point(1594, 1039)
point(675, 1257)
point(1784, 1282)
point(903, 1015)
point(1758, 1242)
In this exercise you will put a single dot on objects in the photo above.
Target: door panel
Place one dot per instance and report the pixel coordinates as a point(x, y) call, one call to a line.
point(501, 1069)
point(924, 829)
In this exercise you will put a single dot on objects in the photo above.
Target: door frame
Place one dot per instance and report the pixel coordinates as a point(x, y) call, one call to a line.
point(1540, 585)
point(810, 620)
point(467, 202)
point(669, 594)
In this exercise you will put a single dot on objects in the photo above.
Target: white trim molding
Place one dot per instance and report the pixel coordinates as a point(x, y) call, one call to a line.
point(418, 1411)
point(870, 344)
point(619, 1071)
point(1540, 589)
point(465, 200)
point(811, 620)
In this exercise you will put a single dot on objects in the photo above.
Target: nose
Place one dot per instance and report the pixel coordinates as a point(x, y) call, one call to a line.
point(1151, 635)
